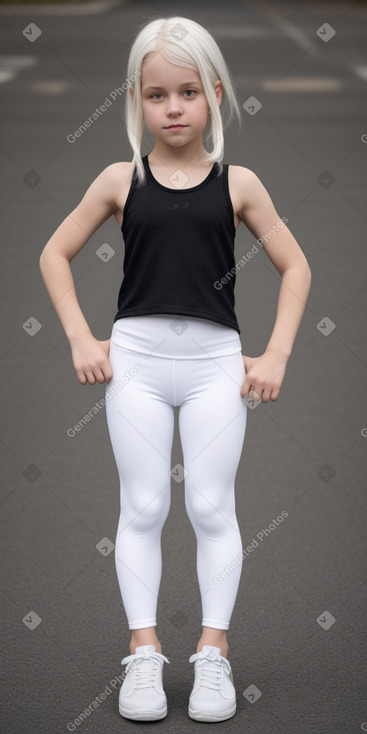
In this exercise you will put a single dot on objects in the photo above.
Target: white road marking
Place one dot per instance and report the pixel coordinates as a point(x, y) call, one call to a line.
point(302, 84)
point(359, 71)
point(12, 61)
point(293, 32)
point(240, 30)
point(50, 86)
point(88, 8)
point(10, 65)
point(6, 76)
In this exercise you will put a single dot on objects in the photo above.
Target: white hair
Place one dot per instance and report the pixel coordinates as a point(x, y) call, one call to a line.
point(185, 43)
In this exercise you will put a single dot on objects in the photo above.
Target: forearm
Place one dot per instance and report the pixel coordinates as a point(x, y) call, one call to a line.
point(58, 279)
point(294, 289)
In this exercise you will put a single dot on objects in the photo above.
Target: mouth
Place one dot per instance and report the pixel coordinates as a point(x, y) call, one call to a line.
point(173, 126)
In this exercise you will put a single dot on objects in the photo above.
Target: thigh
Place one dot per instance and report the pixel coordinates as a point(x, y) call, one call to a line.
point(212, 420)
point(140, 422)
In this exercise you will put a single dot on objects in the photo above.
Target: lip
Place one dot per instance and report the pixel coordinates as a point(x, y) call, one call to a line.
point(174, 126)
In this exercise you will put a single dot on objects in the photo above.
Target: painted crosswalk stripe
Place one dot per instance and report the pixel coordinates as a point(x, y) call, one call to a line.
point(301, 84)
point(10, 65)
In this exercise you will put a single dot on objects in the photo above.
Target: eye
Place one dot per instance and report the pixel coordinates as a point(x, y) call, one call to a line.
point(158, 94)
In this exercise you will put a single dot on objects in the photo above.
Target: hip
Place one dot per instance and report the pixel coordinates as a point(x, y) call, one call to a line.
point(175, 336)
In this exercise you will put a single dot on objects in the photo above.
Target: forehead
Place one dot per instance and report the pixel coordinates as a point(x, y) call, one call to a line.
point(158, 71)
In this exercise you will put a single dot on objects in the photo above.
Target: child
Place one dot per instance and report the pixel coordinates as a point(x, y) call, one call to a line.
point(175, 342)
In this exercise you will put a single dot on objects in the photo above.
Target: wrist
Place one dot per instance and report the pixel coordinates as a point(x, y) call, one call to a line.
point(279, 351)
point(74, 335)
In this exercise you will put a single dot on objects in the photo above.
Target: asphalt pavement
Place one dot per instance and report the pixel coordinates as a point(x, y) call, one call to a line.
point(297, 640)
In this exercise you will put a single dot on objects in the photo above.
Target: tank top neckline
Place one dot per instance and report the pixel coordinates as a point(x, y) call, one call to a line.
point(180, 191)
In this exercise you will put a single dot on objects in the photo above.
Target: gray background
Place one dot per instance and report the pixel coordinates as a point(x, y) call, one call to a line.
point(304, 454)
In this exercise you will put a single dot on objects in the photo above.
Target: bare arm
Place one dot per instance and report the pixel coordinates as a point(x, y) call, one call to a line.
point(58, 279)
point(259, 215)
point(90, 357)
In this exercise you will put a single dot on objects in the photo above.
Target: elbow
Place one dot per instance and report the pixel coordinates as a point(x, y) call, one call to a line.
point(303, 271)
point(47, 255)
point(307, 276)
point(305, 268)
point(41, 260)
point(44, 260)
point(300, 267)
point(306, 264)
point(308, 273)
point(44, 253)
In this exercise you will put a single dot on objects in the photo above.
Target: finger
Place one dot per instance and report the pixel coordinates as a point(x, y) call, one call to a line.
point(81, 377)
point(90, 377)
point(108, 372)
point(98, 374)
point(246, 387)
point(256, 395)
point(105, 370)
point(265, 393)
point(275, 393)
point(251, 394)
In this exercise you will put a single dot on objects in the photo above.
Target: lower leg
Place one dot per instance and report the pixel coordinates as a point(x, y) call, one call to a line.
point(212, 510)
point(215, 637)
point(145, 636)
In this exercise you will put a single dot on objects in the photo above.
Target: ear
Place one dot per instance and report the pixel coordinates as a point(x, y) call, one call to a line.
point(218, 88)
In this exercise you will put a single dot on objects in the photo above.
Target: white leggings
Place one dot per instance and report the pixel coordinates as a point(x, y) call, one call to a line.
point(160, 361)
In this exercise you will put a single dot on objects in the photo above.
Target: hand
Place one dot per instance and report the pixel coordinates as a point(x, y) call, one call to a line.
point(264, 376)
point(90, 358)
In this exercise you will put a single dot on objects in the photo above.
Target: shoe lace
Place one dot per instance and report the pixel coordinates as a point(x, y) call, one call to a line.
point(210, 668)
point(145, 667)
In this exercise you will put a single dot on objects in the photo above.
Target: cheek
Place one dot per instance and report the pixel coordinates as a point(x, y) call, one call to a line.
point(201, 111)
point(151, 115)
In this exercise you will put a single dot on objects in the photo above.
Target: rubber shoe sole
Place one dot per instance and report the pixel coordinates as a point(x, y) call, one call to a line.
point(146, 716)
point(141, 696)
point(209, 716)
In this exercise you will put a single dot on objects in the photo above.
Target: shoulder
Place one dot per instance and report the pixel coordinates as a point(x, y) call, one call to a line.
point(113, 180)
point(249, 188)
point(113, 173)
point(241, 175)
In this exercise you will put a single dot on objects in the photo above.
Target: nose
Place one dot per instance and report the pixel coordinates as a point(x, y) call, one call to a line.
point(174, 106)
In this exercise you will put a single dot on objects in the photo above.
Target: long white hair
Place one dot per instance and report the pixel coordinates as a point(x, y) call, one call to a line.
point(185, 43)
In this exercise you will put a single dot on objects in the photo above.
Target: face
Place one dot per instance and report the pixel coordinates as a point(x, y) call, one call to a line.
point(173, 94)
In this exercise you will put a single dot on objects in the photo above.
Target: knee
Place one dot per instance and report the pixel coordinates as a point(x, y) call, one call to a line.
point(209, 512)
point(143, 514)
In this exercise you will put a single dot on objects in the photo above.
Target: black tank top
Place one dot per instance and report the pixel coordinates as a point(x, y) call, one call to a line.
point(179, 243)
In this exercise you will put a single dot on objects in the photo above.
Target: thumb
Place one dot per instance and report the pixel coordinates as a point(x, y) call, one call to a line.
point(106, 345)
point(247, 361)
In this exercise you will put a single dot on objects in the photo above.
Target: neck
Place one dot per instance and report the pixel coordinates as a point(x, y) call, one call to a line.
point(184, 156)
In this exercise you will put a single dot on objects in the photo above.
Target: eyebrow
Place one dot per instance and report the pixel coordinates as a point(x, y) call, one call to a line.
point(185, 84)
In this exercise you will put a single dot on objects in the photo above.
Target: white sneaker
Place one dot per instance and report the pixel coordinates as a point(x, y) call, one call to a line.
point(141, 695)
point(213, 697)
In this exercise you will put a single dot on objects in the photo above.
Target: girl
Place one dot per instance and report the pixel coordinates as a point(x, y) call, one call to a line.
point(175, 342)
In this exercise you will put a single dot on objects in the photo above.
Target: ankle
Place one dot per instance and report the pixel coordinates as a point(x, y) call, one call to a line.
point(223, 645)
point(156, 645)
